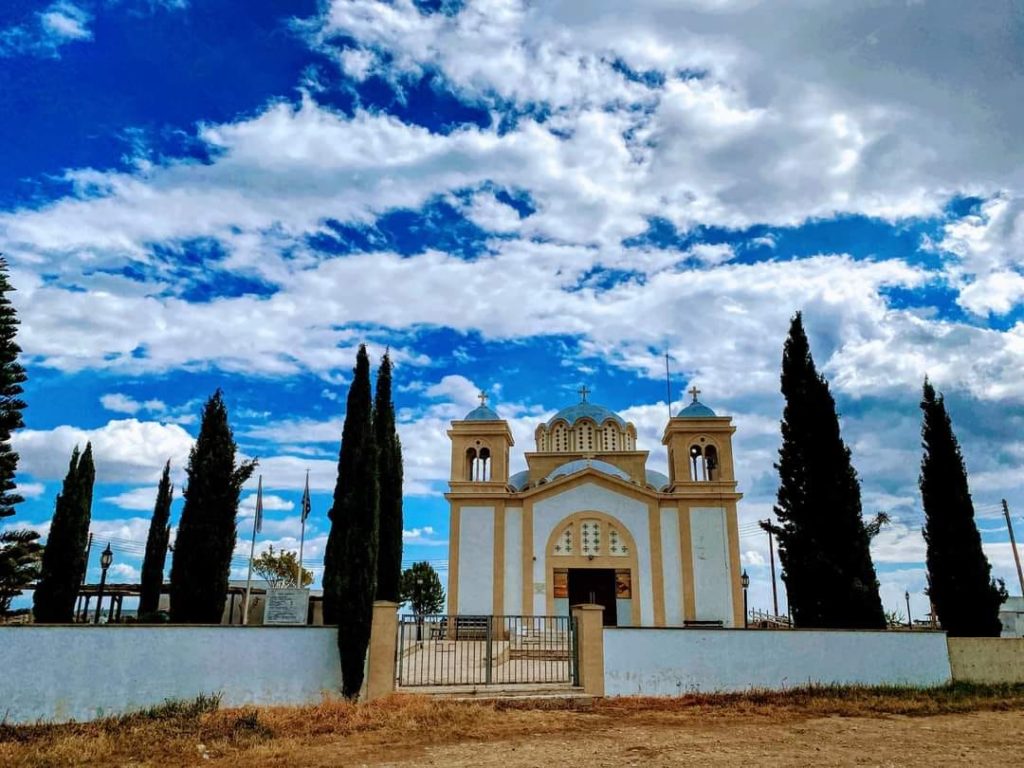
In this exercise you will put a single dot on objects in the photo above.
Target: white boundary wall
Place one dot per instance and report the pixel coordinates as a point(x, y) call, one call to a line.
point(62, 673)
point(672, 662)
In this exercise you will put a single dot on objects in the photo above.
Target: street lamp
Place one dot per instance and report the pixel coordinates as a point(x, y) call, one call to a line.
point(105, 560)
point(417, 606)
point(906, 596)
point(745, 581)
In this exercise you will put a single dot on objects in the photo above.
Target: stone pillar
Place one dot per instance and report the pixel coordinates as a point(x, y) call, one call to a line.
point(590, 642)
point(380, 678)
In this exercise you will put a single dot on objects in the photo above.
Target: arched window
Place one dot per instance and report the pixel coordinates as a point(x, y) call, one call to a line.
point(484, 471)
point(470, 463)
point(698, 472)
point(710, 462)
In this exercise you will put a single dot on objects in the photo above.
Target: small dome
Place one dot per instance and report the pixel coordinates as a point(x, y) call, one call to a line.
point(696, 410)
point(598, 413)
point(519, 480)
point(482, 413)
point(656, 479)
point(578, 465)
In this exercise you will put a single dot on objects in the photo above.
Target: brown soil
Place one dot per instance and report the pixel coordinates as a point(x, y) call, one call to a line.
point(876, 728)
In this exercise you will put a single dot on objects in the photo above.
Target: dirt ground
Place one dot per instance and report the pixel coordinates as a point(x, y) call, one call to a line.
point(808, 729)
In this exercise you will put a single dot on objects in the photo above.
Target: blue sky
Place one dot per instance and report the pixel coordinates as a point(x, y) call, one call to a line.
point(517, 197)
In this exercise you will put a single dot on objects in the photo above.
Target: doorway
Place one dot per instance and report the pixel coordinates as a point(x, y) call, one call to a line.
point(595, 586)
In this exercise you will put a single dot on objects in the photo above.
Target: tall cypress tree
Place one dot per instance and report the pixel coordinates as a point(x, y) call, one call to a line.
point(960, 583)
point(823, 544)
point(156, 546)
point(389, 475)
point(201, 564)
point(64, 563)
point(12, 376)
point(350, 561)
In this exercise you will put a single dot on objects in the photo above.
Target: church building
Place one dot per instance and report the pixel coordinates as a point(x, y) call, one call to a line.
point(588, 522)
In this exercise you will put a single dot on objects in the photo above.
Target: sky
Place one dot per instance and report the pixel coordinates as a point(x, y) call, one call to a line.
point(517, 197)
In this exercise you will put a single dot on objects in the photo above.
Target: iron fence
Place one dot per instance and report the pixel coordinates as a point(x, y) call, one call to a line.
point(486, 650)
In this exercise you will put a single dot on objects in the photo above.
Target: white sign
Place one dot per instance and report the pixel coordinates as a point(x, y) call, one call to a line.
point(286, 606)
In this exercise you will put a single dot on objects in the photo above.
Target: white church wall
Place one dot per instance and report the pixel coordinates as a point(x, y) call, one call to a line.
point(513, 561)
point(61, 673)
point(476, 560)
point(672, 566)
point(671, 662)
point(592, 497)
point(712, 569)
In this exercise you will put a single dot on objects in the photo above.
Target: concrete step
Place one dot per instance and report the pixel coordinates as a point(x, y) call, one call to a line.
point(525, 692)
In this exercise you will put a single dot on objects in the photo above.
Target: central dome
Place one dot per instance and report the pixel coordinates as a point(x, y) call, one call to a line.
point(597, 413)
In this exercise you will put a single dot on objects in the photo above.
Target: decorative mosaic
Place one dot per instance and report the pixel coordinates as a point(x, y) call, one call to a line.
point(563, 544)
point(616, 546)
point(590, 537)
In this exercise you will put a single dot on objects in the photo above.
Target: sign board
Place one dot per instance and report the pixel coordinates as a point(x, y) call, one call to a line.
point(286, 606)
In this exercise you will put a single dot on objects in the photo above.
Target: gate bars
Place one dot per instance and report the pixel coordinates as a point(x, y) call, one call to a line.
point(486, 650)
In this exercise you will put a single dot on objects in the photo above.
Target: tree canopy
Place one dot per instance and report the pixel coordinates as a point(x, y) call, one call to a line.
point(389, 473)
point(157, 541)
point(422, 590)
point(280, 569)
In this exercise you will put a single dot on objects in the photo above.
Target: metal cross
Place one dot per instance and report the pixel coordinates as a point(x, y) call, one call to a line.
point(583, 393)
point(694, 391)
point(483, 398)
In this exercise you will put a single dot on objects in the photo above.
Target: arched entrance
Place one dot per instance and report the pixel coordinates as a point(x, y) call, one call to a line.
point(591, 558)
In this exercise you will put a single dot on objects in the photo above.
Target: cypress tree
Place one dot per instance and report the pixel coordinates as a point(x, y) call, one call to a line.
point(389, 475)
point(960, 585)
point(201, 564)
point(823, 544)
point(12, 376)
point(156, 546)
point(64, 563)
point(350, 561)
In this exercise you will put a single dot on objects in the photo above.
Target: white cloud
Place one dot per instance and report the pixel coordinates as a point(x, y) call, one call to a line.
point(119, 403)
point(30, 490)
point(60, 23)
point(124, 450)
point(247, 505)
point(425, 536)
point(137, 498)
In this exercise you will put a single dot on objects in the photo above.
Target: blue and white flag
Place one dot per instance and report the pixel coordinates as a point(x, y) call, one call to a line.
point(306, 505)
point(259, 506)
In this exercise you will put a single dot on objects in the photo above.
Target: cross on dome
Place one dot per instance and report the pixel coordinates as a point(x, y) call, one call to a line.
point(483, 397)
point(694, 391)
point(583, 392)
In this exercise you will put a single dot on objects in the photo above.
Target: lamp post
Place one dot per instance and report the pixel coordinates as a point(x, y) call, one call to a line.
point(745, 581)
point(417, 606)
point(906, 596)
point(105, 560)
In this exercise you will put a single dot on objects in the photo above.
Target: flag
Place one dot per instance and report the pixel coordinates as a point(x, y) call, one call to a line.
point(259, 506)
point(306, 506)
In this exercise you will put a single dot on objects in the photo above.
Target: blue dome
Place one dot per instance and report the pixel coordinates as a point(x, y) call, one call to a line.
point(482, 413)
point(696, 410)
point(598, 413)
point(578, 465)
point(656, 479)
point(520, 479)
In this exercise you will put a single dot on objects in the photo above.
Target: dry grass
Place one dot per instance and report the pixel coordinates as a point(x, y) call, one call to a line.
point(197, 732)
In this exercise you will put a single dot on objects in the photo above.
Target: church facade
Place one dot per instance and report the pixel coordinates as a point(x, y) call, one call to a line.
point(588, 522)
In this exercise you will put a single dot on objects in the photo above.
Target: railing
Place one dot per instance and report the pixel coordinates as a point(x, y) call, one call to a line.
point(486, 650)
point(765, 620)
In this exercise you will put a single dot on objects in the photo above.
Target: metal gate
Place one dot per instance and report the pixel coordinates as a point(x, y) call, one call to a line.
point(487, 650)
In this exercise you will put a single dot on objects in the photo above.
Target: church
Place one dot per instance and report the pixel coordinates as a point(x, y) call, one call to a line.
point(588, 522)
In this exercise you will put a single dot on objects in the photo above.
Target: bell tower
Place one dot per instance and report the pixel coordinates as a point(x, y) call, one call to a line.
point(480, 450)
point(700, 450)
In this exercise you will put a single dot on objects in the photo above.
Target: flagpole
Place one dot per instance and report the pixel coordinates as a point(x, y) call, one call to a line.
point(252, 552)
point(303, 514)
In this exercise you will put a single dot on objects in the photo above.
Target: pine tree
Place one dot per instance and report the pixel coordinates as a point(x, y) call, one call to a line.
point(21, 557)
point(350, 562)
point(421, 589)
point(389, 476)
point(823, 544)
point(156, 546)
point(201, 564)
point(960, 585)
point(63, 566)
point(12, 376)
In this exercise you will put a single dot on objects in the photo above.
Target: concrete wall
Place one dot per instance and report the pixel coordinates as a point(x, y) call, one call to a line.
point(476, 560)
point(65, 673)
point(670, 662)
point(712, 569)
point(987, 659)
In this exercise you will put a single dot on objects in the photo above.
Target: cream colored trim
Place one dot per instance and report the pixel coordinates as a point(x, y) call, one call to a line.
point(686, 558)
point(732, 527)
point(657, 568)
point(498, 601)
point(453, 557)
point(528, 557)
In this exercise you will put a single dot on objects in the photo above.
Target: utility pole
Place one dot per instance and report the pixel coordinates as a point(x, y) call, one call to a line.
point(767, 526)
point(1013, 546)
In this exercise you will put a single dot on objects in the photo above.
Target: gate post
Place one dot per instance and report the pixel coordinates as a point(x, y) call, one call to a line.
point(590, 629)
point(383, 639)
